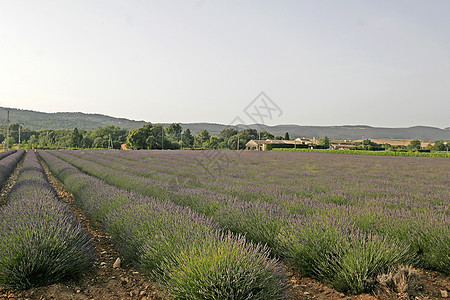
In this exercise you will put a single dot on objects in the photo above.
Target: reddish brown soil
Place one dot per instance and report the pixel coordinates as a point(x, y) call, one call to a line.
point(106, 282)
point(430, 285)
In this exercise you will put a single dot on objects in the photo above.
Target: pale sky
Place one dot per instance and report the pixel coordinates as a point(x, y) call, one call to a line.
point(380, 62)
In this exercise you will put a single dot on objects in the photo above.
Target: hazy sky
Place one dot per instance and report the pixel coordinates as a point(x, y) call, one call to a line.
point(379, 63)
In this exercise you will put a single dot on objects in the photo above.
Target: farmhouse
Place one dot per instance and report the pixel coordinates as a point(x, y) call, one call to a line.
point(306, 141)
point(265, 145)
point(342, 146)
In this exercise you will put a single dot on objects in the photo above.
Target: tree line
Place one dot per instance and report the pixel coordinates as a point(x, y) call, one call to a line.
point(149, 136)
point(414, 146)
point(64, 139)
point(152, 136)
point(155, 136)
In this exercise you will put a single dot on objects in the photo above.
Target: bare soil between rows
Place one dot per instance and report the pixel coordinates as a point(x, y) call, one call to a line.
point(104, 281)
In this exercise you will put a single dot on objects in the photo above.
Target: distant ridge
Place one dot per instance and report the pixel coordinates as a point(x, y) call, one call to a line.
point(65, 120)
point(69, 120)
point(349, 132)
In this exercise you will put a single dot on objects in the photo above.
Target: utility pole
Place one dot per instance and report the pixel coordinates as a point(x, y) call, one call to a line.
point(20, 126)
point(259, 135)
point(7, 132)
point(110, 143)
point(20, 130)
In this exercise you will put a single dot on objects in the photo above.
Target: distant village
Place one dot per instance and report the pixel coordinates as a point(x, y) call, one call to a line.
point(325, 143)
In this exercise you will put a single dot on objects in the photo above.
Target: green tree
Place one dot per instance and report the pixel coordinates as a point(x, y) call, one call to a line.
point(174, 132)
point(227, 133)
point(32, 142)
point(265, 135)
point(157, 138)
point(415, 145)
point(138, 139)
point(187, 139)
point(45, 139)
point(87, 141)
point(100, 137)
point(213, 143)
point(233, 143)
point(99, 142)
point(12, 141)
point(325, 142)
point(368, 145)
point(438, 146)
point(202, 139)
point(246, 135)
point(286, 136)
point(75, 138)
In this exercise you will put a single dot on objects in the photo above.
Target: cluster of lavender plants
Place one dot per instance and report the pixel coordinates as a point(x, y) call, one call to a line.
point(8, 163)
point(182, 250)
point(403, 202)
point(42, 241)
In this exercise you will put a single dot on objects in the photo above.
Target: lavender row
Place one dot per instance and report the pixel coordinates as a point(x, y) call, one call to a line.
point(293, 237)
point(42, 241)
point(6, 153)
point(184, 252)
point(8, 164)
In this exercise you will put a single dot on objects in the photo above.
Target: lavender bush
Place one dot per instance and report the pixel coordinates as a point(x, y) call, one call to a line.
point(334, 250)
point(224, 267)
point(259, 222)
point(42, 243)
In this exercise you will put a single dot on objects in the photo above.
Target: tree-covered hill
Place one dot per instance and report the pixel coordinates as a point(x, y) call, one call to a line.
point(65, 120)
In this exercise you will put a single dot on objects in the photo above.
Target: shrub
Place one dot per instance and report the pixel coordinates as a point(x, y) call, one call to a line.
point(364, 257)
point(225, 267)
point(259, 222)
point(434, 242)
point(333, 250)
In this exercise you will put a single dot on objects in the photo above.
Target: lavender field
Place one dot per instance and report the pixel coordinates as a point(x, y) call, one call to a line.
point(344, 219)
